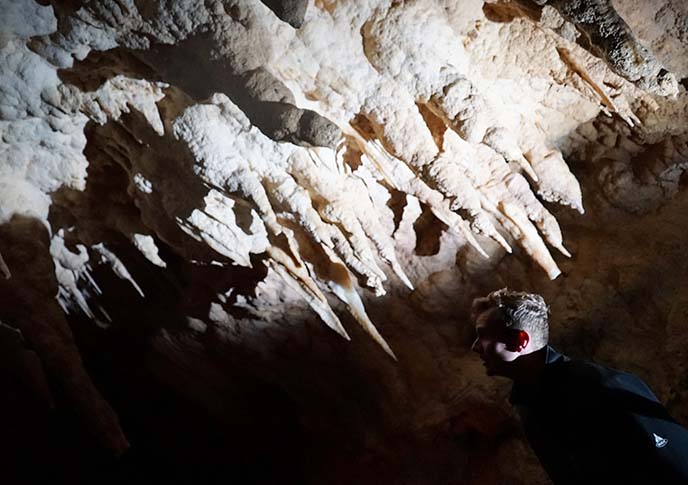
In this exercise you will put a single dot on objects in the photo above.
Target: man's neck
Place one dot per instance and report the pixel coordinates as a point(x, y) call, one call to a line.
point(527, 369)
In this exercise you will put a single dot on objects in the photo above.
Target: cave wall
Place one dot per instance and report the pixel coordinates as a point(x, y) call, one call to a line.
point(241, 238)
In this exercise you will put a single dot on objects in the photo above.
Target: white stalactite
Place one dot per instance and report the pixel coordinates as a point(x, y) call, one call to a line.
point(423, 108)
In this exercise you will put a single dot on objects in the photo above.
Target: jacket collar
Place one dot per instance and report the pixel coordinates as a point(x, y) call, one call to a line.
point(552, 356)
point(524, 394)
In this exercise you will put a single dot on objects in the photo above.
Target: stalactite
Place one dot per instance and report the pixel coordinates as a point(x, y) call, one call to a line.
point(254, 131)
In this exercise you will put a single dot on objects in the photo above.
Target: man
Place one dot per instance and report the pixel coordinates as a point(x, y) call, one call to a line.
point(587, 423)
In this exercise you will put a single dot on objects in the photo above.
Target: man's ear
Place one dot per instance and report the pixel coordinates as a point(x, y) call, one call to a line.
point(519, 340)
point(522, 340)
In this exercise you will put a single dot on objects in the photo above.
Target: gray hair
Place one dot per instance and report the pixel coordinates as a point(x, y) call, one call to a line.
point(520, 311)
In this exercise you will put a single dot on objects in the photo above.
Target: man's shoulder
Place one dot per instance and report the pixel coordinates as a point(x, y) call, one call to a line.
point(617, 379)
point(593, 376)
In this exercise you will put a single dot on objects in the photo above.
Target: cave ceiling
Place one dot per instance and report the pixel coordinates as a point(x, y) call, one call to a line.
point(312, 192)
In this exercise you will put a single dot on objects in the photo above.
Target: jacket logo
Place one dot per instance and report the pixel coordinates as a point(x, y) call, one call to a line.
point(659, 441)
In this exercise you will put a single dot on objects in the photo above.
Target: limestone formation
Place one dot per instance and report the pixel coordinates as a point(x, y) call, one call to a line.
point(610, 37)
point(265, 164)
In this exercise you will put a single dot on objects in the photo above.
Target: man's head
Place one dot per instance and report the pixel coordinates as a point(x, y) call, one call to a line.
point(508, 324)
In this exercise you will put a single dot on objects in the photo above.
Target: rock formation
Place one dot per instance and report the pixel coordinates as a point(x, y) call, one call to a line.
point(204, 182)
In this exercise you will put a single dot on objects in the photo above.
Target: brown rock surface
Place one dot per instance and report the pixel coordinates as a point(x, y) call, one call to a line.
point(188, 191)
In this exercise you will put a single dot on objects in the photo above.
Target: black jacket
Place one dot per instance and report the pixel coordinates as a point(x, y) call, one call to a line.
point(588, 423)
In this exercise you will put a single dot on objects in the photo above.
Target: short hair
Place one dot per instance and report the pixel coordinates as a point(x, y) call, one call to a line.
point(519, 311)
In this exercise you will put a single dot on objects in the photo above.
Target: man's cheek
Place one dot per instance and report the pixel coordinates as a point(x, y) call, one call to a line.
point(499, 349)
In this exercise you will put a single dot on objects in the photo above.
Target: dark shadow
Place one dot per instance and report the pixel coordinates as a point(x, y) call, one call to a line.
point(428, 229)
point(504, 12)
point(139, 361)
point(191, 67)
point(397, 203)
point(111, 214)
point(63, 8)
point(434, 123)
point(290, 11)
